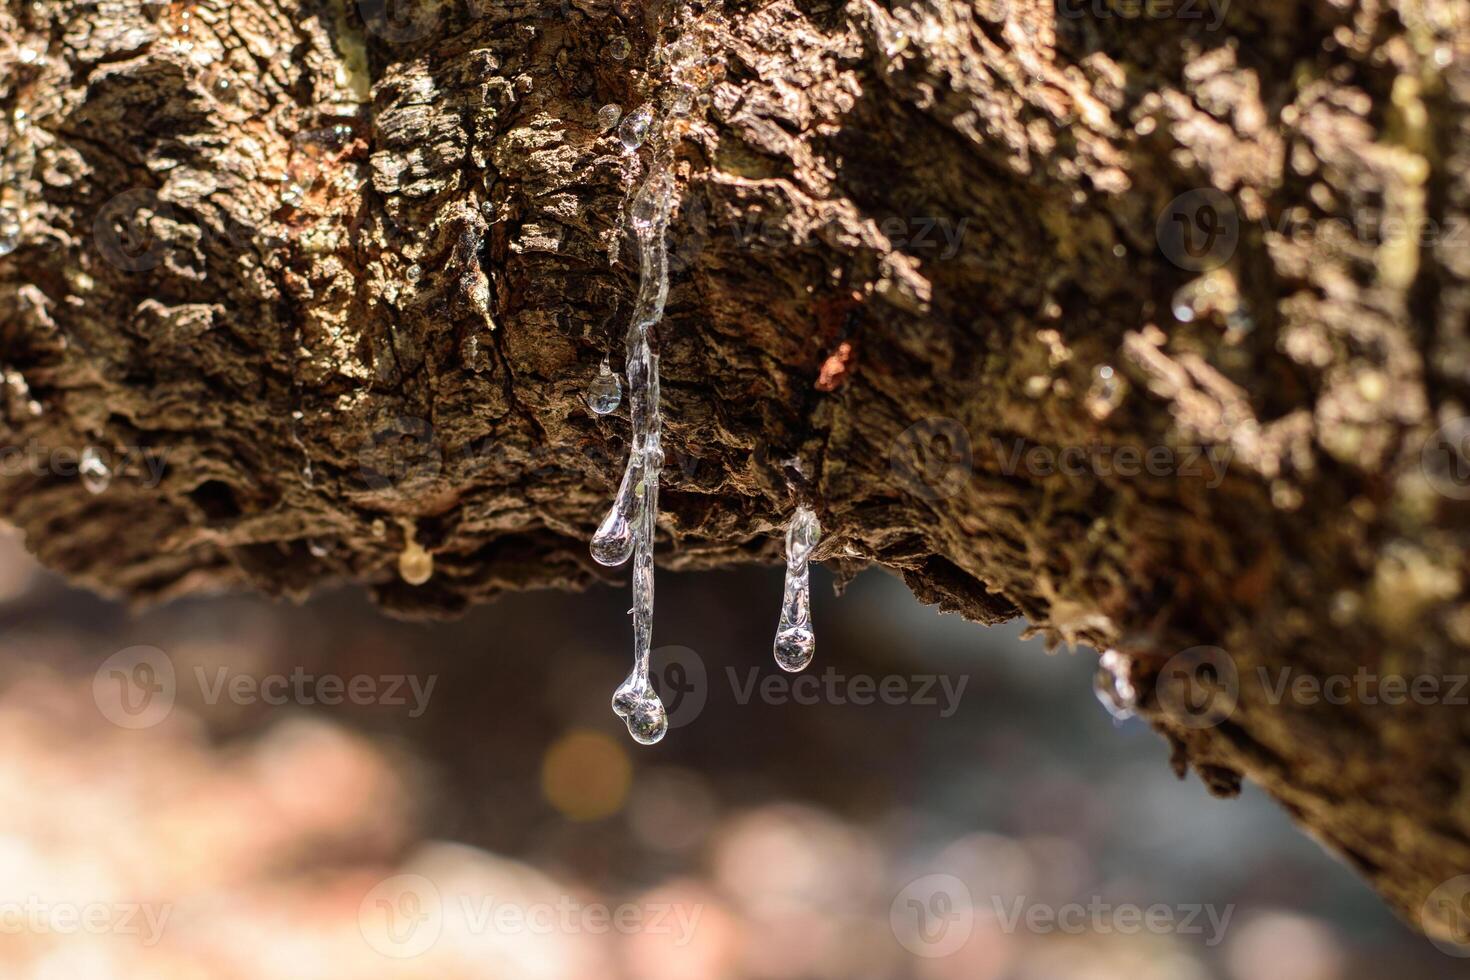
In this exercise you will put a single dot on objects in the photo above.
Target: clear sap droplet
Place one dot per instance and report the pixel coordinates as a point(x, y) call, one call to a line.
point(616, 535)
point(96, 476)
point(608, 116)
point(605, 393)
point(414, 272)
point(613, 543)
point(794, 648)
point(9, 231)
point(1105, 393)
point(1113, 685)
point(795, 642)
point(628, 694)
point(1182, 305)
point(649, 722)
point(634, 129)
point(642, 711)
point(619, 48)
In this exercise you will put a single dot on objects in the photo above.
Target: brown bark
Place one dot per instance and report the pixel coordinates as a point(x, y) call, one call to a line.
point(911, 237)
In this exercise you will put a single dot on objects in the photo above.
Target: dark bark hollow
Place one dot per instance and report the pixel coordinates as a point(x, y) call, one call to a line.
point(1147, 323)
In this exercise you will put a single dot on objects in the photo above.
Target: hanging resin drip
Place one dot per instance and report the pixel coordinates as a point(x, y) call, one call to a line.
point(1113, 685)
point(629, 527)
point(605, 393)
point(612, 544)
point(795, 642)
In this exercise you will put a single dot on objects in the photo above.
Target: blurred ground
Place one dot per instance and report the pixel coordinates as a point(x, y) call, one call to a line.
point(235, 788)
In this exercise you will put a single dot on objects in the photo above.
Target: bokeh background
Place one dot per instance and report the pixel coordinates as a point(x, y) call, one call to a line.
point(500, 823)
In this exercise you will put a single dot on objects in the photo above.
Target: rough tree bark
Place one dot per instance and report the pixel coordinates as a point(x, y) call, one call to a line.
point(341, 275)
